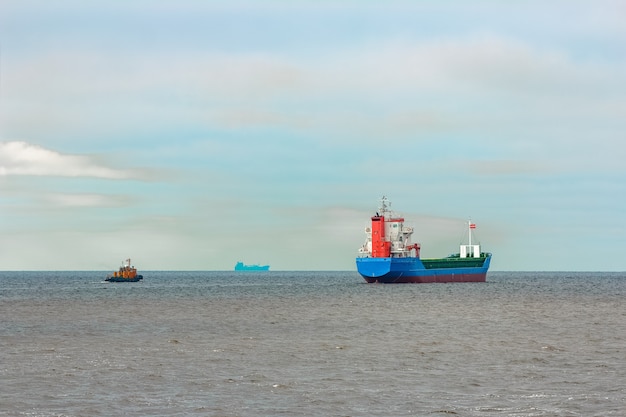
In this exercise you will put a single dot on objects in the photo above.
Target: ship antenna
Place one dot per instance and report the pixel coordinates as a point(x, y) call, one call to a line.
point(383, 204)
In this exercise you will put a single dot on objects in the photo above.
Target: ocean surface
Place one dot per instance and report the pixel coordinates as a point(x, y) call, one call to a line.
point(311, 344)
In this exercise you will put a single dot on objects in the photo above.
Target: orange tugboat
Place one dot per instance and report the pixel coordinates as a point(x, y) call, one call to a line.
point(127, 273)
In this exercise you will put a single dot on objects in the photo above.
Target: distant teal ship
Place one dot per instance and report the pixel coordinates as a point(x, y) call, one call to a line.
point(240, 266)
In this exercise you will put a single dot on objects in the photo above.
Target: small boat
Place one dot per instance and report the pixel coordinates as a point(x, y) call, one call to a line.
point(240, 266)
point(126, 273)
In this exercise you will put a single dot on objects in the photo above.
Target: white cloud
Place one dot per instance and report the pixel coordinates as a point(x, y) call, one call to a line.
point(384, 87)
point(85, 200)
point(22, 158)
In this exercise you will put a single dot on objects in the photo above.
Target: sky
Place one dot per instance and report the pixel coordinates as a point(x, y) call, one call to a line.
point(189, 135)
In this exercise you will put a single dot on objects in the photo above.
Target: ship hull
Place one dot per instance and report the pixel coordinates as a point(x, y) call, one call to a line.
point(253, 268)
point(415, 271)
point(122, 279)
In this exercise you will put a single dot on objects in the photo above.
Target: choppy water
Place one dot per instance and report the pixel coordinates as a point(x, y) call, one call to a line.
point(311, 344)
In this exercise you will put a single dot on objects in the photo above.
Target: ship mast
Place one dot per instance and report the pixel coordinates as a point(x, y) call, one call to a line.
point(384, 205)
point(470, 250)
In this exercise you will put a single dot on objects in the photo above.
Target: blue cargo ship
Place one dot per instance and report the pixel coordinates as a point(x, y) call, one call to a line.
point(388, 256)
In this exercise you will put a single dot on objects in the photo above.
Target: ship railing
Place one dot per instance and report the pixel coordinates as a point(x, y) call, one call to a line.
point(400, 253)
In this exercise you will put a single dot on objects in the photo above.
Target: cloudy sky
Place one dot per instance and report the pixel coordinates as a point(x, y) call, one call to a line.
point(192, 134)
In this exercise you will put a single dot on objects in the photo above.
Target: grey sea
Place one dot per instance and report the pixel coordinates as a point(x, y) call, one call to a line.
point(311, 344)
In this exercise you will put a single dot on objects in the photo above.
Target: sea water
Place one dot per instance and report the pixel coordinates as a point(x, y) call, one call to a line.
point(311, 344)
